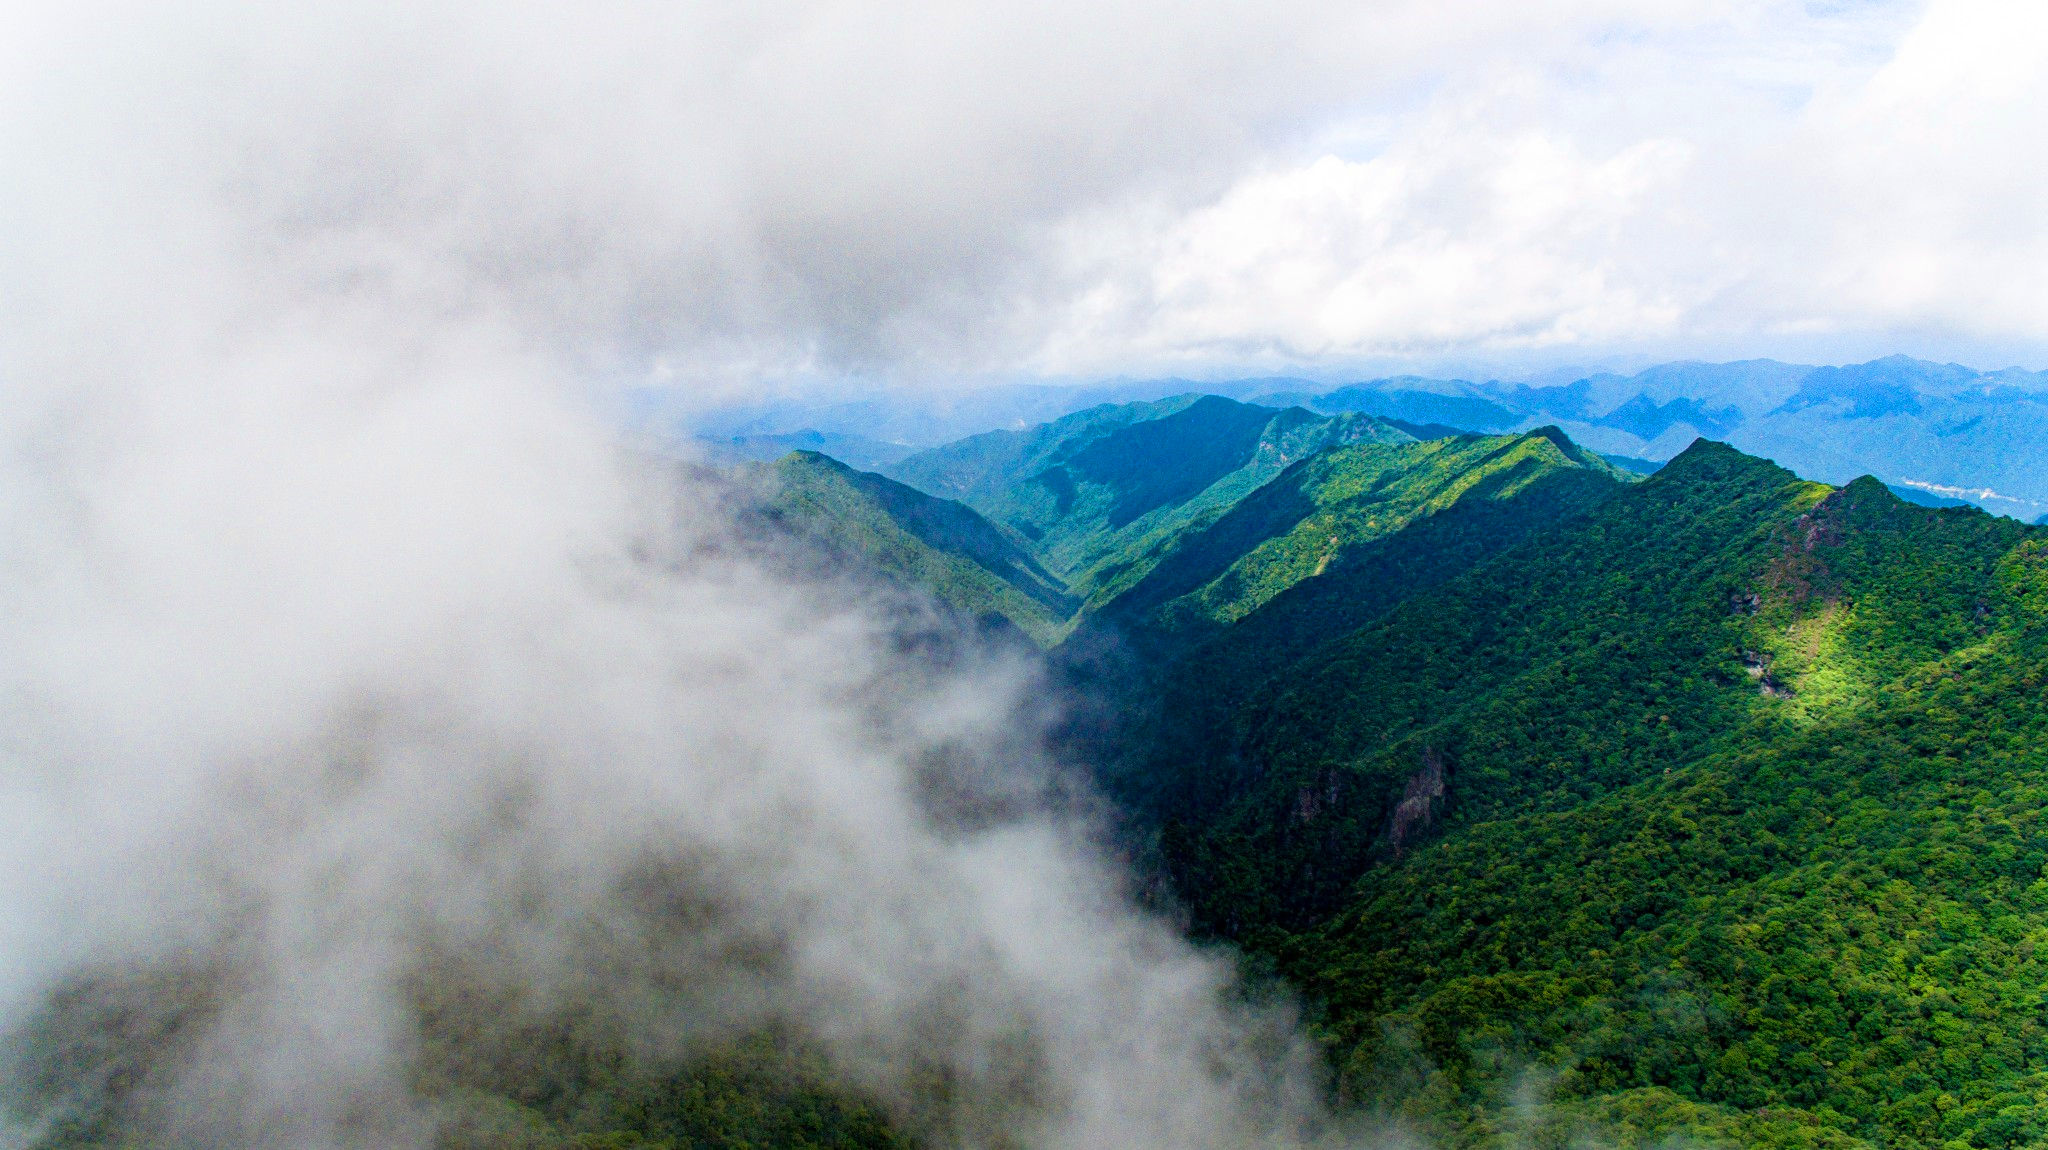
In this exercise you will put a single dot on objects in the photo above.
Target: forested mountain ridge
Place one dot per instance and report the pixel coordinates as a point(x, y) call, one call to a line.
point(1703, 805)
point(1320, 515)
point(1278, 498)
point(1425, 526)
point(1717, 807)
point(1556, 622)
point(1939, 427)
point(1183, 516)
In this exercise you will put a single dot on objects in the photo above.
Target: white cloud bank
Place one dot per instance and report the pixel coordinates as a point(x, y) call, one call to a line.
point(1743, 180)
point(718, 193)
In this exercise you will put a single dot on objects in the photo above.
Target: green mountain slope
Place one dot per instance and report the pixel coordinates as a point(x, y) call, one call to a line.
point(1324, 513)
point(912, 538)
point(1331, 522)
point(1187, 515)
point(1421, 515)
point(1120, 478)
point(1714, 811)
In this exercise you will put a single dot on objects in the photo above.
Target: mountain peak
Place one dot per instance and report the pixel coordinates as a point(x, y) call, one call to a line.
point(1710, 460)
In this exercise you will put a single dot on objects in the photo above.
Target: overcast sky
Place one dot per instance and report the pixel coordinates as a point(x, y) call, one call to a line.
point(726, 195)
point(1715, 180)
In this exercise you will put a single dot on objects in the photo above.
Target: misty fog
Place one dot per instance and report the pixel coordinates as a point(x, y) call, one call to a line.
point(357, 672)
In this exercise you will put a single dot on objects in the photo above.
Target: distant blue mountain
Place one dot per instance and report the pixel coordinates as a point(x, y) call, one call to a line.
point(1631, 464)
point(1937, 431)
point(1647, 419)
point(857, 451)
point(919, 419)
point(1891, 386)
point(1942, 430)
point(1413, 399)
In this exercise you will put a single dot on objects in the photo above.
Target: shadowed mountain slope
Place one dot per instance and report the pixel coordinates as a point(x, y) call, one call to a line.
point(1716, 807)
point(1457, 506)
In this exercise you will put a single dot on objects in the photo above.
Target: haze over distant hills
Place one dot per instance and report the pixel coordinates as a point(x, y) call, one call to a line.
point(1942, 430)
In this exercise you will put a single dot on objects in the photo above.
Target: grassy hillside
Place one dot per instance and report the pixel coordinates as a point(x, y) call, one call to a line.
point(1715, 810)
point(912, 538)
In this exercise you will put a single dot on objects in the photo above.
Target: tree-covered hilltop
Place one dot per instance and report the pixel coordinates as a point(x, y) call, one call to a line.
point(1316, 497)
point(1178, 518)
point(1395, 529)
point(1184, 516)
point(1714, 811)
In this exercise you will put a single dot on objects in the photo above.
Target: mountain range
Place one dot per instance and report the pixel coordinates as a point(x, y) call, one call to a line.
point(1941, 430)
point(1576, 805)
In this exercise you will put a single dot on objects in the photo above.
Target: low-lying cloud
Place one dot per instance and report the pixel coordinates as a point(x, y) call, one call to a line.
point(327, 671)
point(352, 667)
